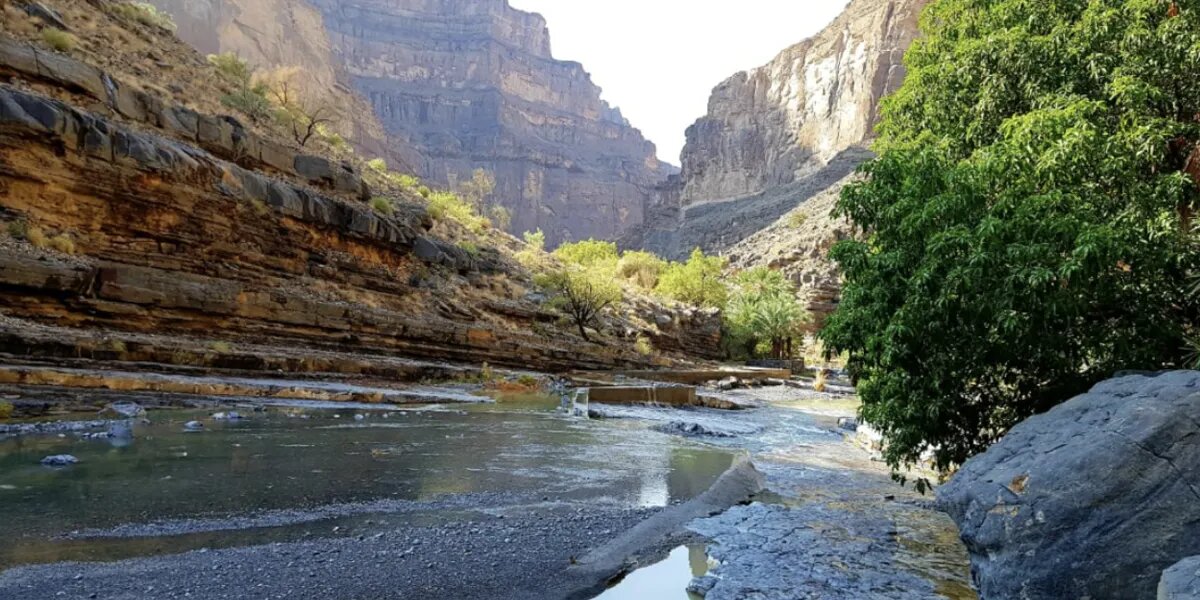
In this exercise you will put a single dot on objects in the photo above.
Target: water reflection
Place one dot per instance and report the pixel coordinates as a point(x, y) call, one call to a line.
point(664, 580)
point(278, 460)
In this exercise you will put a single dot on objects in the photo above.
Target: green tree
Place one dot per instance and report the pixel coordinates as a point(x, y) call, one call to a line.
point(580, 295)
point(763, 310)
point(697, 282)
point(1027, 221)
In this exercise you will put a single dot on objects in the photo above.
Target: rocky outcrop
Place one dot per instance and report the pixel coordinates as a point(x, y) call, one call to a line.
point(473, 84)
point(1093, 499)
point(183, 225)
point(1182, 581)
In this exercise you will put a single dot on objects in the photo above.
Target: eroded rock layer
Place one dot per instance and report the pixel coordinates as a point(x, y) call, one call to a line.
point(170, 222)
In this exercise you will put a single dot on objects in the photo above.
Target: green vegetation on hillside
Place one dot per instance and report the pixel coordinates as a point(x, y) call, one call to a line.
point(1028, 219)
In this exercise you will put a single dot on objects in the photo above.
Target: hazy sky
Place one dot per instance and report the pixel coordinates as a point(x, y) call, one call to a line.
point(659, 59)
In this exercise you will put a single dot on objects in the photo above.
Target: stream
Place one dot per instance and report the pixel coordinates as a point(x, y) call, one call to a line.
point(490, 497)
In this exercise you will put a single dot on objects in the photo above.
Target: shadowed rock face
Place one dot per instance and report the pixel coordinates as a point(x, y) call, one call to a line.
point(1093, 499)
point(472, 83)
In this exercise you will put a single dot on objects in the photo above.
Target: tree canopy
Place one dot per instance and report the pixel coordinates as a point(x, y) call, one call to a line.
point(1027, 223)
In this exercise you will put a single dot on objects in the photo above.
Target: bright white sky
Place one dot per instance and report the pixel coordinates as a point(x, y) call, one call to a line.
point(659, 59)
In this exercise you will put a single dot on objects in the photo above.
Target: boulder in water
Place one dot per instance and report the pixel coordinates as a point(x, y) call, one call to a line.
point(1093, 499)
point(193, 426)
point(123, 410)
point(1182, 581)
point(59, 460)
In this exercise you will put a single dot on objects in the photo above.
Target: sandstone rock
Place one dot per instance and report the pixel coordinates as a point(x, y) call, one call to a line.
point(1094, 498)
point(45, 13)
point(1182, 581)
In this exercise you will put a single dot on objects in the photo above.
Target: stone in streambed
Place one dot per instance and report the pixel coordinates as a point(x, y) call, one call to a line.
point(193, 426)
point(123, 410)
point(1182, 581)
point(59, 460)
point(1094, 498)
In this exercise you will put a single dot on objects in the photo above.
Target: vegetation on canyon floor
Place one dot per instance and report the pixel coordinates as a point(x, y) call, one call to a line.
point(1028, 220)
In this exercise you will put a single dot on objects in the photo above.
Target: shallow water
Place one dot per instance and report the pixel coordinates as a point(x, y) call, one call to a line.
point(665, 580)
point(293, 472)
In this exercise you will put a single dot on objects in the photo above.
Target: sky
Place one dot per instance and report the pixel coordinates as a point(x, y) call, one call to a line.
point(658, 60)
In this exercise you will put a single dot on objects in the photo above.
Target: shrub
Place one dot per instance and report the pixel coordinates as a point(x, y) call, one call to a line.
point(382, 205)
point(476, 190)
point(58, 39)
point(231, 67)
point(696, 282)
point(821, 382)
point(588, 253)
point(260, 208)
point(34, 235)
point(17, 229)
point(643, 346)
point(6, 409)
point(529, 381)
point(797, 219)
point(501, 216)
point(581, 296)
point(536, 240)
point(220, 347)
point(763, 315)
point(642, 268)
point(146, 14)
point(445, 205)
point(63, 243)
point(470, 248)
point(378, 165)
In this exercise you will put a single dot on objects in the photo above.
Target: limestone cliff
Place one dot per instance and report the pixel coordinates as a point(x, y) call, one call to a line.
point(141, 222)
point(779, 137)
point(777, 123)
point(473, 83)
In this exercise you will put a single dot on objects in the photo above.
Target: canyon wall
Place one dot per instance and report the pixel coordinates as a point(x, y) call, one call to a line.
point(779, 137)
point(457, 85)
point(287, 34)
point(473, 84)
point(777, 123)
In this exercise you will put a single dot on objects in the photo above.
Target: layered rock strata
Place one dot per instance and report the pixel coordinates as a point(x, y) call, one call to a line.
point(189, 225)
point(473, 84)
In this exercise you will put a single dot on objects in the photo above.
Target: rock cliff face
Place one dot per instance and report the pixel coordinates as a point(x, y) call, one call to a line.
point(775, 124)
point(137, 227)
point(275, 34)
point(778, 138)
point(472, 83)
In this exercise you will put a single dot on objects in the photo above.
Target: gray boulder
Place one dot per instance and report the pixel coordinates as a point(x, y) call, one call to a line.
point(123, 410)
point(1182, 581)
point(59, 460)
point(1093, 499)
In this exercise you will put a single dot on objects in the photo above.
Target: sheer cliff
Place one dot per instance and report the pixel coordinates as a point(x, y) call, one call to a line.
point(473, 83)
point(457, 85)
point(779, 136)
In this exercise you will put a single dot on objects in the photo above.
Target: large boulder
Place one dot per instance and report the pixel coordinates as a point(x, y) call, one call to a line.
point(1093, 499)
point(1182, 581)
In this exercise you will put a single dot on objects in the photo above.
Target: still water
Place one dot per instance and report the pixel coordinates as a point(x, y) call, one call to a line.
point(270, 476)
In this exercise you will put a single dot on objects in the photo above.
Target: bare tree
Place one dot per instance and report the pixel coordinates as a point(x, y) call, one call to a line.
point(297, 109)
